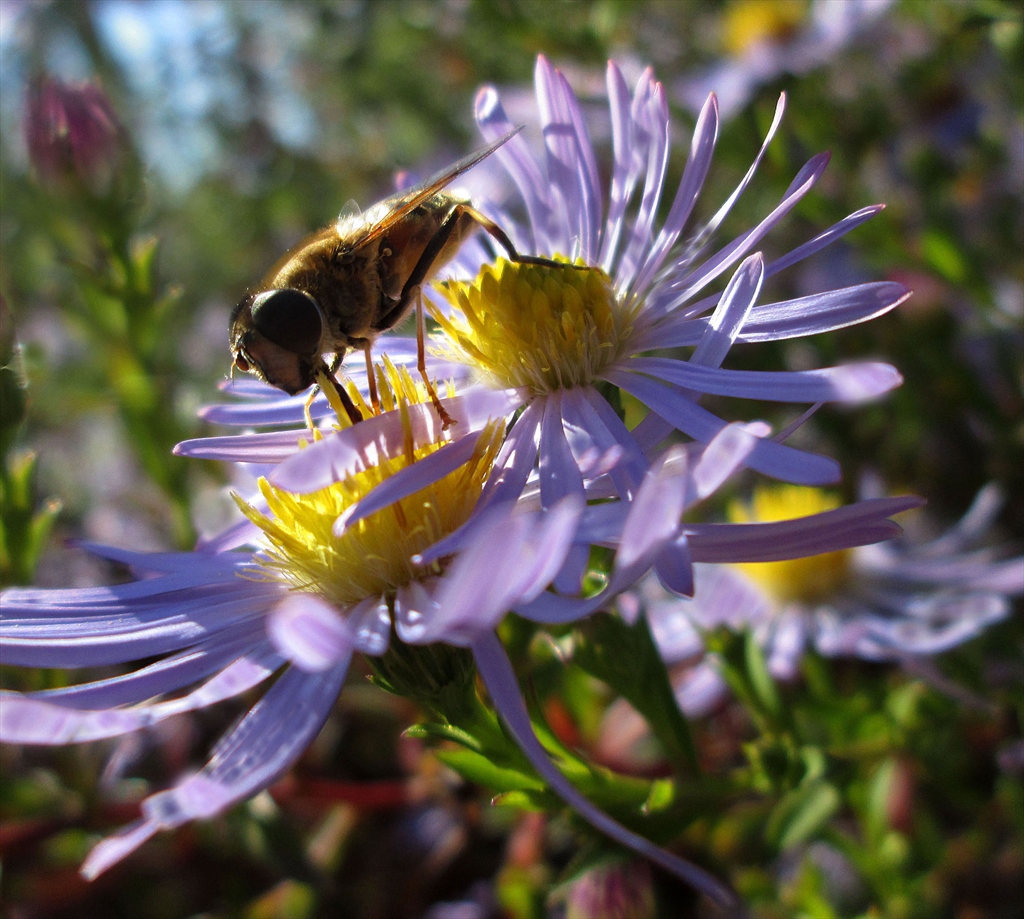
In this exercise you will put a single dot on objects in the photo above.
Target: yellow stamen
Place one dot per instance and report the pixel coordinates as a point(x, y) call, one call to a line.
point(372, 557)
point(394, 385)
point(535, 326)
point(808, 579)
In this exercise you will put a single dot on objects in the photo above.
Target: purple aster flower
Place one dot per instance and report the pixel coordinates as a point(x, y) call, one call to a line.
point(299, 604)
point(335, 569)
point(899, 601)
point(563, 336)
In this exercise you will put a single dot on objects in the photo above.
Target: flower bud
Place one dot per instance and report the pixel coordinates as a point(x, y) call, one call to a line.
point(616, 891)
point(73, 136)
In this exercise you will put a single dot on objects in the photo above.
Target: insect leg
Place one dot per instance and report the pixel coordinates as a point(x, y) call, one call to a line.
point(421, 364)
point(497, 233)
point(308, 405)
point(371, 378)
point(328, 373)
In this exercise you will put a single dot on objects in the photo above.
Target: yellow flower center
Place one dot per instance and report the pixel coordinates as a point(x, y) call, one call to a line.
point(535, 326)
point(373, 556)
point(800, 579)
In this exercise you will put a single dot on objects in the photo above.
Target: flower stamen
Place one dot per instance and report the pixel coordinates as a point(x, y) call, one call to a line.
point(537, 327)
point(373, 556)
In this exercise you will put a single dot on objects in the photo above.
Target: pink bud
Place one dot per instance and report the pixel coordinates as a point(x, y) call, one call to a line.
point(73, 135)
point(617, 891)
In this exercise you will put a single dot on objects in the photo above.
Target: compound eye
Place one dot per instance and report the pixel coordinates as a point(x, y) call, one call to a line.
point(289, 318)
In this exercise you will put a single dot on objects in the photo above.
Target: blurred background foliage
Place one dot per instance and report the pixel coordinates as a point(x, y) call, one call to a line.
point(246, 125)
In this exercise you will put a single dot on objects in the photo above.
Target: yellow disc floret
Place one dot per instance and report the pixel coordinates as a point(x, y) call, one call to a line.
point(373, 556)
point(808, 579)
point(535, 326)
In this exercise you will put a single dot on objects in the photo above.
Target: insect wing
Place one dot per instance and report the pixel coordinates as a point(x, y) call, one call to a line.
point(407, 201)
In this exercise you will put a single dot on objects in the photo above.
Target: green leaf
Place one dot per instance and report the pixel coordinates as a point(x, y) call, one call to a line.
point(289, 899)
point(662, 796)
point(802, 812)
point(540, 801)
point(744, 668)
point(942, 254)
point(627, 659)
point(434, 731)
point(477, 768)
point(24, 529)
point(765, 690)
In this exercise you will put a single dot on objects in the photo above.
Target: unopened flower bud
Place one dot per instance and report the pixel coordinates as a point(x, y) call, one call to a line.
point(73, 135)
point(619, 891)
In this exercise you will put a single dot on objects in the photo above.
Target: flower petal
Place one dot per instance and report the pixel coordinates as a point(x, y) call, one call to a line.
point(411, 479)
point(258, 749)
point(370, 624)
point(702, 148)
point(810, 315)
point(162, 676)
point(97, 626)
point(677, 291)
point(675, 406)
point(500, 680)
point(309, 632)
point(28, 720)
point(849, 383)
point(515, 156)
point(829, 531)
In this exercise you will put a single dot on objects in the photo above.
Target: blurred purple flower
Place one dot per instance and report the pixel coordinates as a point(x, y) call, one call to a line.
point(766, 41)
point(73, 135)
point(621, 890)
point(898, 601)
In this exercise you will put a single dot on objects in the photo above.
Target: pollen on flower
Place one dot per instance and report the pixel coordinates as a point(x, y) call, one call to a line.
point(800, 579)
point(373, 556)
point(535, 326)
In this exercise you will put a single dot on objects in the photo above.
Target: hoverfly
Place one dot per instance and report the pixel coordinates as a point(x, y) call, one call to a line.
point(341, 287)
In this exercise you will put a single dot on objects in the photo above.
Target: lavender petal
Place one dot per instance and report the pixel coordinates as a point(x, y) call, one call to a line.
point(776, 460)
point(500, 680)
point(829, 531)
